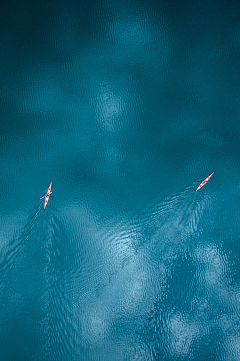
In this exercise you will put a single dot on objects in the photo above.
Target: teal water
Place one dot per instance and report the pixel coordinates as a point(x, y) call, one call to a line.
point(125, 107)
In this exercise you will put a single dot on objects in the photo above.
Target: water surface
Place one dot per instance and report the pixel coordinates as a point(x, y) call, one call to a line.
point(125, 107)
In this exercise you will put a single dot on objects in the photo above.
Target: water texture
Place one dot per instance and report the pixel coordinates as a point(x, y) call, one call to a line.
point(125, 106)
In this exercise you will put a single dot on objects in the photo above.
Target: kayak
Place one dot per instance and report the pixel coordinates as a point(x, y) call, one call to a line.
point(47, 196)
point(204, 181)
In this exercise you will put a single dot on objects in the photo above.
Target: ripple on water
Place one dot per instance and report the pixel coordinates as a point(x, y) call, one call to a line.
point(57, 327)
point(100, 275)
point(31, 269)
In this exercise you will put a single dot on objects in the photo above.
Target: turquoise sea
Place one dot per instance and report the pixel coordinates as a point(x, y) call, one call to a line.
point(125, 106)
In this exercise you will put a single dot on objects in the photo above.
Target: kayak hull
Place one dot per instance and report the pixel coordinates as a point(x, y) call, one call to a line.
point(47, 196)
point(204, 181)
